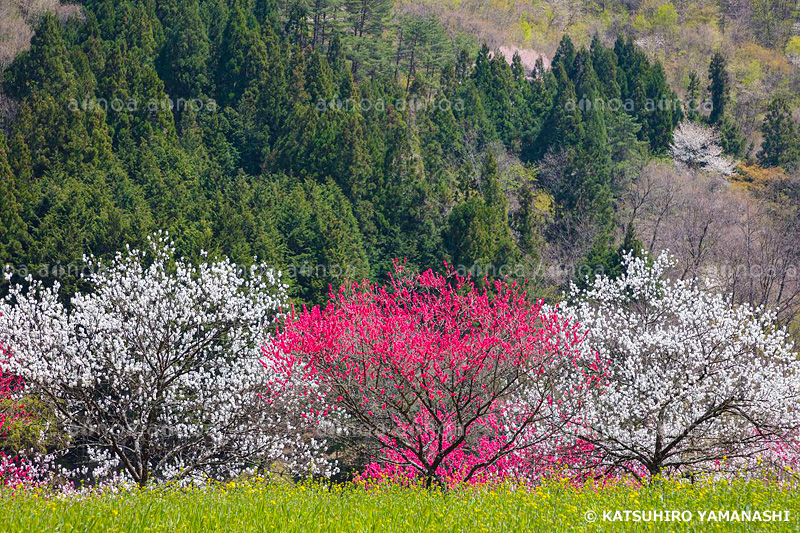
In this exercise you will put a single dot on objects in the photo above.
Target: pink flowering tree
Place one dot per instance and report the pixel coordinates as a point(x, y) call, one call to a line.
point(9, 413)
point(449, 382)
point(15, 421)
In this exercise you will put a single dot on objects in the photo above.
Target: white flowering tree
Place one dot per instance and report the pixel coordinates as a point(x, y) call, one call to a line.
point(696, 384)
point(155, 373)
point(698, 146)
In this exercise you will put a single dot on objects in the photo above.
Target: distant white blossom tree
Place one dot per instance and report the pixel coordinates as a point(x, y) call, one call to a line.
point(155, 373)
point(696, 384)
point(697, 146)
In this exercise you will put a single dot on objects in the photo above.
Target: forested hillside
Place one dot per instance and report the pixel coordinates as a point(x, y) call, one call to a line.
point(331, 137)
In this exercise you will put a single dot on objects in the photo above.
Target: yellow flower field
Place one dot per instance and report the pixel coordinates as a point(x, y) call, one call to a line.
point(262, 506)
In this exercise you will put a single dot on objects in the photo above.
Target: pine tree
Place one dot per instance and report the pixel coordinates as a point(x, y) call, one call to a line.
point(367, 19)
point(719, 86)
point(13, 230)
point(565, 55)
point(660, 120)
point(478, 234)
point(46, 67)
point(367, 16)
point(693, 97)
point(186, 55)
point(234, 73)
point(605, 66)
point(781, 147)
point(324, 21)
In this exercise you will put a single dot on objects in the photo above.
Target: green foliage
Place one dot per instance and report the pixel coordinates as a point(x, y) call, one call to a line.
point(666, 20)
point(719, 86)
point(13, 230)
point(781, 147)
point(772, 21)
point(478, 234)
point(793, 47)
point(693, 97)
point(732, 140)
point(606, 260)
point(45, 67)
point(333, 135)
point(30, 428)
point(186, 56)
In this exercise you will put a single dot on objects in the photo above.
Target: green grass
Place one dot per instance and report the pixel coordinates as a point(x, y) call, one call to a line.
point(256, 506)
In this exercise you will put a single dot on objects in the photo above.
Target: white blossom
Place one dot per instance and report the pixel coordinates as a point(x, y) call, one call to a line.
point(155, 373)
point(695, 384)
point(697, 146)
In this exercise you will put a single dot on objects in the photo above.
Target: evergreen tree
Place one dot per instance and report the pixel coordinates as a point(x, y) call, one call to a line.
point(719, 86)
point(462, 66)
point(367, 19)
point(592, 106)
point(593, 156)
point(693, 97)
point(565, 55)
point(517, 70)
point(319, 79)
point(478, 234)
point(186, 55)
point(627, 152)
point(564, 125)
point(46, 67)
point(322, 242)
point(495, 82)
point(296, 27)
point(234, 73)
point(781, 147)
point(267, 13)
point(605, 260)
point(731, 138)
point(271, 172)
point(367, 16)
point(324, 21)
point(604, 62)
point(336, 58)
point(659, 116)
point(13, 231)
